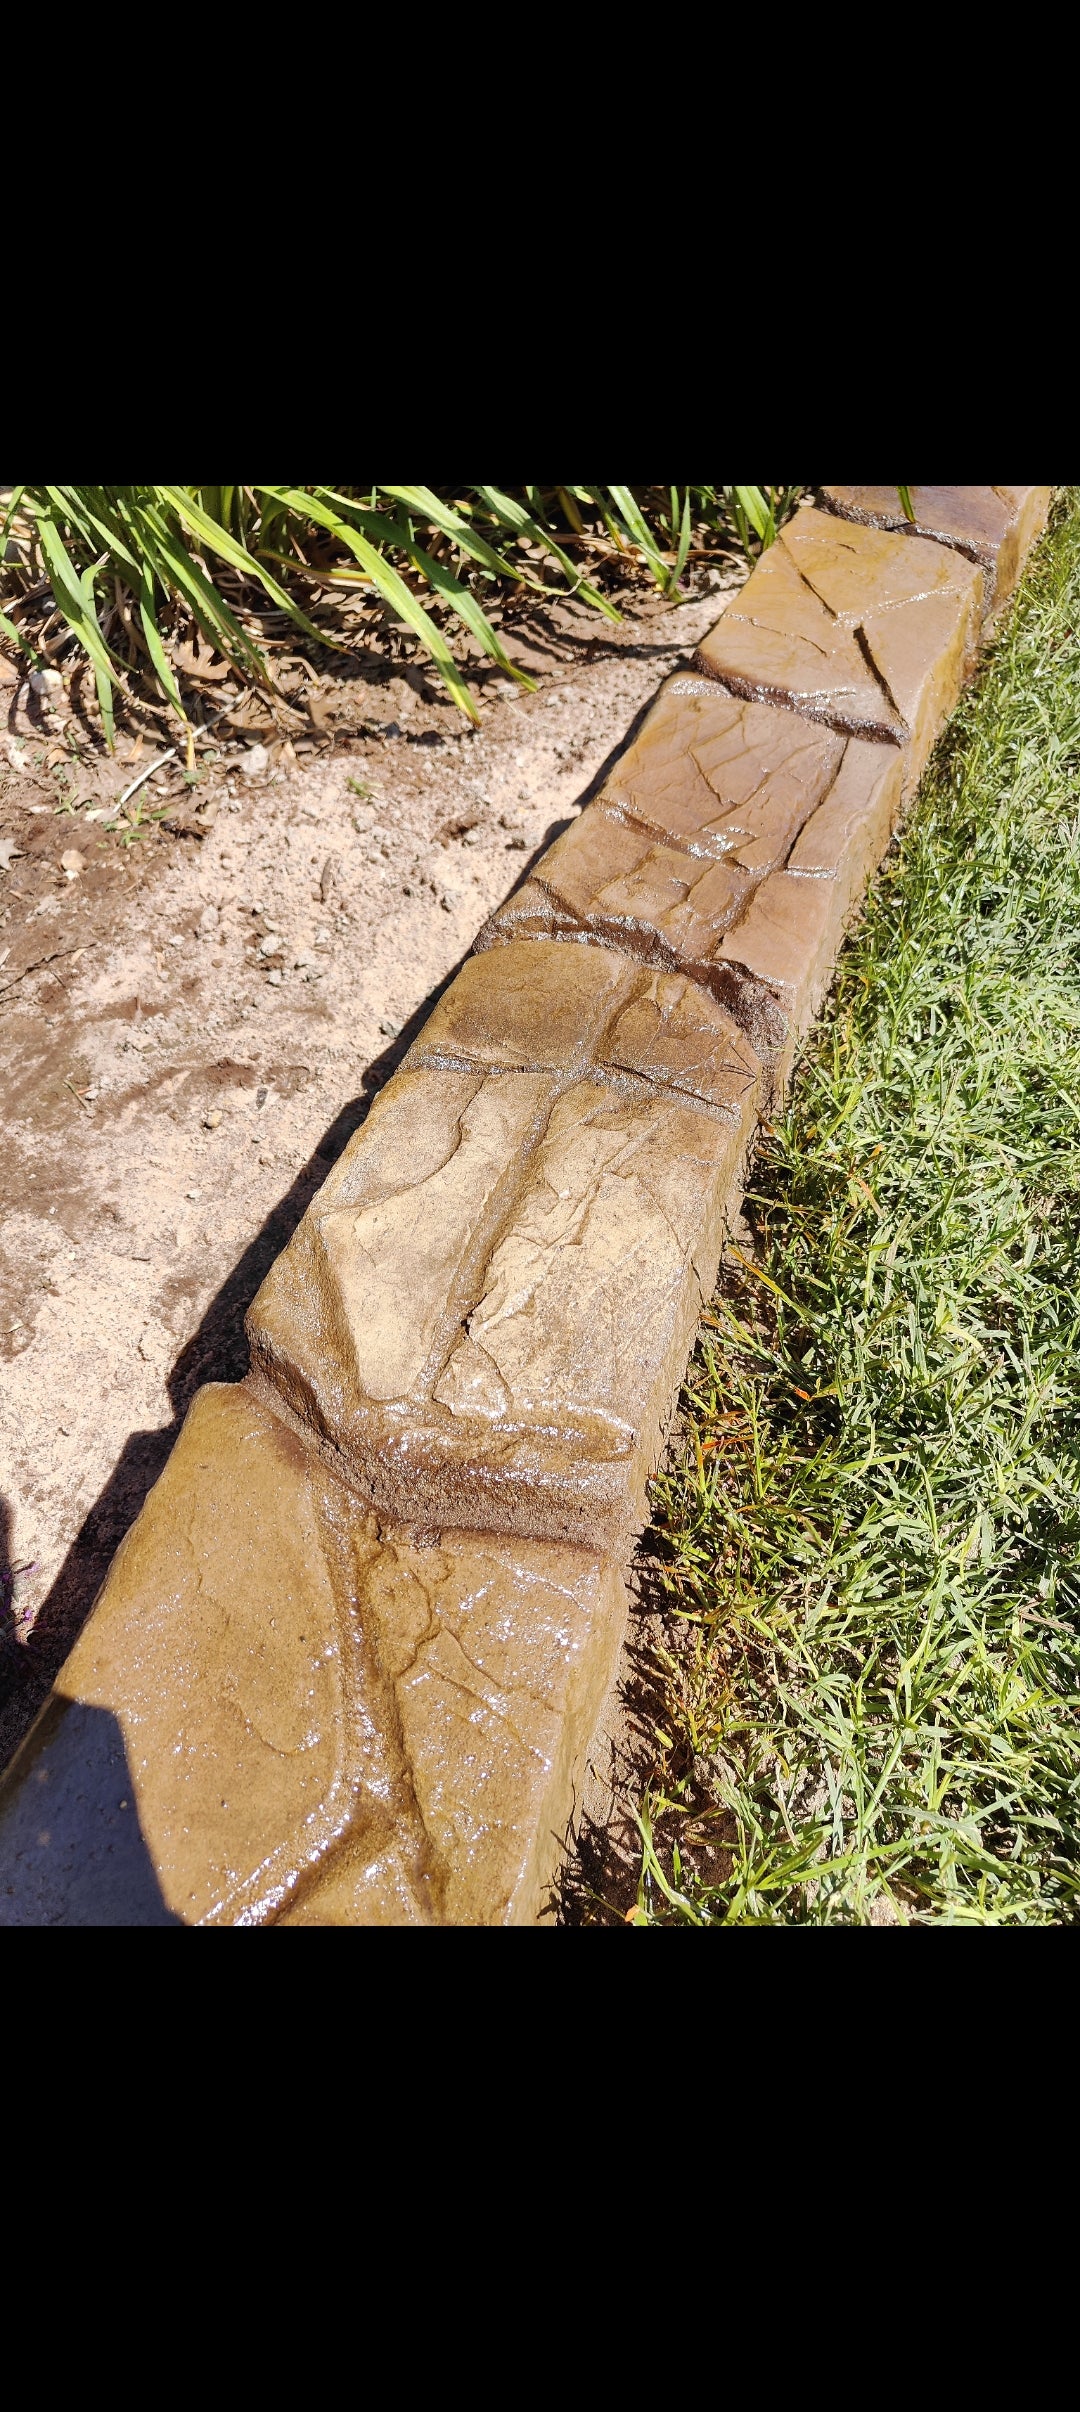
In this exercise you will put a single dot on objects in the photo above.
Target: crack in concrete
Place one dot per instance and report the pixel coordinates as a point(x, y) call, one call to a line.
point(863, 643)
point(888, 523)
point(820, 707)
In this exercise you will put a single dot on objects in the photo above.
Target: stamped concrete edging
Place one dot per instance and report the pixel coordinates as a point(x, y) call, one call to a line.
point(347, 1662)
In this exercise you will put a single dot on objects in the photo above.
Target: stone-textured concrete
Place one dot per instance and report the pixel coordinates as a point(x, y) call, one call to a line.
point(669, 1032)
point(846, 837)
point(347, 1661)
point(869, 632)
point(609, 881)
point(723, 777)
point(279, 1711)
point(994, 525)
point(791, 795)
point(476, 1317)
point(561, 1382)
point(533, 1008)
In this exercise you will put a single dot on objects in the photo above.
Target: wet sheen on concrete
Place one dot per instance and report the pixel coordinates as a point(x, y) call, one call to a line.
point(347, 1662)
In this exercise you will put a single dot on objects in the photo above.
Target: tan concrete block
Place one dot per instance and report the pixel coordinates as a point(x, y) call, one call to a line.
point(276, 1714)
point(561, 1383)
point(924, 651)
point(538, 1008)
point(868, 631)
point(768, 774)
point(858, 570)
point(359, 1308)
point(500, 1653)
point(789, 942)
point(995, 526)
point(723, 776)
point(673, 1032)
point(371, 1329)
point(777, 642)
point(538, 1405)
point(1032, 507)
point(845, 839)
point(611, 881)
point(686, 938)
point(223, 1668)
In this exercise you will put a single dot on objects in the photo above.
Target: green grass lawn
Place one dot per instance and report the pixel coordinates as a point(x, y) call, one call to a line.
point(870, 1691)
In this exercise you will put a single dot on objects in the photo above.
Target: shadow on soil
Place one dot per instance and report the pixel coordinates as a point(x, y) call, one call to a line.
point(72, 1851)
point(216, 1352)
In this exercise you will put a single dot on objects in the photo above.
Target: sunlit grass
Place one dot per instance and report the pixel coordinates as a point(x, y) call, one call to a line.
point(869, 1546)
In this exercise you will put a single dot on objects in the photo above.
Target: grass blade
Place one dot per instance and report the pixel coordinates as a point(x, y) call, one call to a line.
point(391, 586)
point(176, 567)
point(641, 534)
point(426, 505)
point(511, 514)
point(102, 680)
point(67, 589)
point(756, 509)
point(206, 530)
point(155, 647)
point(8, 629)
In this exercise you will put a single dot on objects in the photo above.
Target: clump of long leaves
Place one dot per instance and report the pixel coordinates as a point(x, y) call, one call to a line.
point(171, 581)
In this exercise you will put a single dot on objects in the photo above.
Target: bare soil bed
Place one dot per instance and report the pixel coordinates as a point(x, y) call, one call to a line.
point(195, 1018)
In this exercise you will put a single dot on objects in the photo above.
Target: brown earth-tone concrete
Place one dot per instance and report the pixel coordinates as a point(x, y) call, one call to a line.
point(609, 881)
point(348, 1658)
point(361, 1306)
point(721, 776)
point(671, 1033)
point(279, 1712)
point(563, 1376)
point(994, 525)
point(846, 837)
point(498, 1654)
point(707, 801)
point(789, 941)
point(867, 631)
point(491, 1344)
point(787, 647)
point(779, 791)
point(535, 1008)
point(860, 572)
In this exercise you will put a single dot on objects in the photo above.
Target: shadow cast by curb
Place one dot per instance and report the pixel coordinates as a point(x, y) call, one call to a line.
point(216, 1352)
point(72, 1849)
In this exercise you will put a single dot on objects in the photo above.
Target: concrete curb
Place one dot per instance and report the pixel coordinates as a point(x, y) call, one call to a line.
point(347, 1662)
